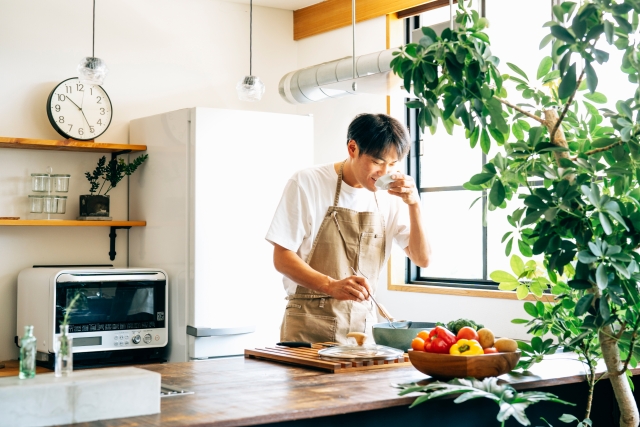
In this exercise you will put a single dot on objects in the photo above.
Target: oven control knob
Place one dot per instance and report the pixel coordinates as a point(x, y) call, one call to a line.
point(136, 339)
point(147, 339)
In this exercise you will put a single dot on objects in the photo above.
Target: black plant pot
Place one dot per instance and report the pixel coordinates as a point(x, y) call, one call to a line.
point(94, 206)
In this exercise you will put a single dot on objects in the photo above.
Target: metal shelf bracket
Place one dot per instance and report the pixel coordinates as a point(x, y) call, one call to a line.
point(112, 240)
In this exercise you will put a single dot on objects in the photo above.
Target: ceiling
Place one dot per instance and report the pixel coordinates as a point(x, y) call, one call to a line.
point(281, 4)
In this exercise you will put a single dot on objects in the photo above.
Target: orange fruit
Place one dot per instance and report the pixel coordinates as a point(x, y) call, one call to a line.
point(417, 344)
point(424, 335)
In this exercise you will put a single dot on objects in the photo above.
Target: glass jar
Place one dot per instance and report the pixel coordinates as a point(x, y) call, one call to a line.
point(61, 204)
point(63, 348)
point(49, 205)
point(36, 203)
point(27, 354)
point(40, 182)
point(60, 182)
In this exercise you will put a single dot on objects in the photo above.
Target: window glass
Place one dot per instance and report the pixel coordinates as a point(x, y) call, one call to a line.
point(455, 234)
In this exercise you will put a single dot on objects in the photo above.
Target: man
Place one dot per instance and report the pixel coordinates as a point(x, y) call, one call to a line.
point(332, 233)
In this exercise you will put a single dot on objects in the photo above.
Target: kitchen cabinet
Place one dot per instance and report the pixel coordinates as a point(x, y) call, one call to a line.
point(78, 146)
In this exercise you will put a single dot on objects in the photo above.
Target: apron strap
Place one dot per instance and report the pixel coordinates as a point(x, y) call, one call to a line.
point(338, 185)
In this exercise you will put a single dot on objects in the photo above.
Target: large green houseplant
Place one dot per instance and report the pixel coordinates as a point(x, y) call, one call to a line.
point(585, 217)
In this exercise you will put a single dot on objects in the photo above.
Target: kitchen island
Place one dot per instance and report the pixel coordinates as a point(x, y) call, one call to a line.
point(238, 391)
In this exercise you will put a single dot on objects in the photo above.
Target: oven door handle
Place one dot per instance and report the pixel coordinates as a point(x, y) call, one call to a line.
point(216, 332)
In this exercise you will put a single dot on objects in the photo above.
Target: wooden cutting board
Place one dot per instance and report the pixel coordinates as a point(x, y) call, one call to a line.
point(308, 357)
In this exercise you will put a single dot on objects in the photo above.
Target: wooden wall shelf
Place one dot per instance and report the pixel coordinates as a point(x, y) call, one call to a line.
point(113, 225)
point(70, 223)
point(67, 145)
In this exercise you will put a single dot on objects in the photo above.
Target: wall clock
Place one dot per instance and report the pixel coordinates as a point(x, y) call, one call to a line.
point(79, 111)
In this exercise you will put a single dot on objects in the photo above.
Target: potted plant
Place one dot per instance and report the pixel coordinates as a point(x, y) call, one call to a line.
point(95, 206)
point(585, 217)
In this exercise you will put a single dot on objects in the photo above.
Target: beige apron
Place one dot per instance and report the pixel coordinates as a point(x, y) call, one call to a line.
point(346, 239)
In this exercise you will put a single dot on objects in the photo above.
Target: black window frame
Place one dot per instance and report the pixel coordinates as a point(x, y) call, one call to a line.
point(413, 275)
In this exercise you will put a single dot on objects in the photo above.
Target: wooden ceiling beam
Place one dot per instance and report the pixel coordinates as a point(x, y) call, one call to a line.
point(333, 14)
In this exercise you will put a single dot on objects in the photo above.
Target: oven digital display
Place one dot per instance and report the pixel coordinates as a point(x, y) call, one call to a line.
point(81, 342)
point(108, 306)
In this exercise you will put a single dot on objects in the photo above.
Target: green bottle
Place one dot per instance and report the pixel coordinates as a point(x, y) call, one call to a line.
point(27, 354)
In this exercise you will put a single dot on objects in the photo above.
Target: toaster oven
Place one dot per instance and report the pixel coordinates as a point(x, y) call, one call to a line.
point(119, 317)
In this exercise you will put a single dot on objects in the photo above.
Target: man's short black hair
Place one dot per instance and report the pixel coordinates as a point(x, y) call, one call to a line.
point(375, 134)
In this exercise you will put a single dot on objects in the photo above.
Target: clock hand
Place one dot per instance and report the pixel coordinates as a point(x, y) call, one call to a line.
point(74, 103)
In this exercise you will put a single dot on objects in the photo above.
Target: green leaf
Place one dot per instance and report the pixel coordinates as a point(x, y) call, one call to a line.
point(596, 97)
point(485, 141)
point(507, 249)
point(568, 84)
point(497, 193)
point(561, 33)
point(500, 276)
point(579, 284)
point(592, 78)
point(586, 257)
point(583, 304)
point(544, 67)
point(601, 277)
point(605, 311)
point(608, 31)
point(429, 32)
point(481, 178)
point(531, 309)
point(604, 221)
point(508, 286)
point(473, 138)
point(534, 201)
point(624, 109)
point(517, 70)
point(545, 41)
point(524, 249)
point(517, 132)
point(517, 265)
point(522, 291)
point(414, 104)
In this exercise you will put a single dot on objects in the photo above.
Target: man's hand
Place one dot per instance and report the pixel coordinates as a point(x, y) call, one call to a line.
point(404, 187)
point(354, 288)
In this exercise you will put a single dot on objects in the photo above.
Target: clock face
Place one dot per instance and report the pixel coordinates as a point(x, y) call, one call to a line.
point(79, 111)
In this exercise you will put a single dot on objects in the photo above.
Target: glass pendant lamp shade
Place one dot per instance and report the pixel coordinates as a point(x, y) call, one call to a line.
point(92, 70)
point(250, 88)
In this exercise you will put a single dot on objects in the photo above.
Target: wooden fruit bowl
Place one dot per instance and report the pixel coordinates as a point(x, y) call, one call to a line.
point(447, 366)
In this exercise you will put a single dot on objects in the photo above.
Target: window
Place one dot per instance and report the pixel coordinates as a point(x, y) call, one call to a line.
point(466, 246)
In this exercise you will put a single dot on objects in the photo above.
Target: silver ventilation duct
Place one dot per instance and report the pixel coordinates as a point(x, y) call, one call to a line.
point(335, 79)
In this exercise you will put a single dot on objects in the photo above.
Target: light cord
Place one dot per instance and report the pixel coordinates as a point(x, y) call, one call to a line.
point(250, 35)
point(93, 44)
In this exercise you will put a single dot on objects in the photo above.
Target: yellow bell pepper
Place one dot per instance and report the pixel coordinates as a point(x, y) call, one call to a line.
point(466, 348)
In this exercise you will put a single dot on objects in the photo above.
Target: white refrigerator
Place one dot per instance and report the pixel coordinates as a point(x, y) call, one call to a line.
point(208, 193)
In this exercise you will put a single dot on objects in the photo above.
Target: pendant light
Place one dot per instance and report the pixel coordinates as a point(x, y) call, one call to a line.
point(250, 88)
point(92, 70)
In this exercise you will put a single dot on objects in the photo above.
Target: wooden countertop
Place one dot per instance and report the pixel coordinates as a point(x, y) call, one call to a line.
point(238, 391)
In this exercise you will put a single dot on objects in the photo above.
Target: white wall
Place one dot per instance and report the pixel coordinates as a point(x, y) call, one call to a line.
point(162, 55)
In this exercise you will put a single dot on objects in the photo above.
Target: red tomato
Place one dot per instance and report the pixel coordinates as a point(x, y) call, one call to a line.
point(490, 350)
point(467, 333)
point(417, 344)
point(424, 335)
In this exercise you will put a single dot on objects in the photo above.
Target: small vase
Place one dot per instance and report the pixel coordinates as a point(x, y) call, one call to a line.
point(64, 352)
point(27, 354)
point(94, 206)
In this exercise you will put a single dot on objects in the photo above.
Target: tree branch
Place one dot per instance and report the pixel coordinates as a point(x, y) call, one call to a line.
point(601, 149)
point(566, 108)
point(520, 110)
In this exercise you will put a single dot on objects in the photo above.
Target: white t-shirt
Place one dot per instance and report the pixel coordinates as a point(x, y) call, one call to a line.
point(305, 200)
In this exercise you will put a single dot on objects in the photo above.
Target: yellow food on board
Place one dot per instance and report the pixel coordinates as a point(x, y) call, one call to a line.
point(359, 337)
point(486, 338)
point(506, 345)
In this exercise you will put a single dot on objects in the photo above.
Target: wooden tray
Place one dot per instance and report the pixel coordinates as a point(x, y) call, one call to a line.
point(308, 357)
